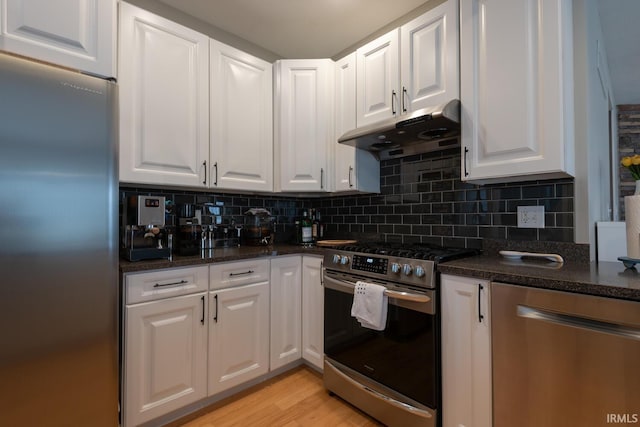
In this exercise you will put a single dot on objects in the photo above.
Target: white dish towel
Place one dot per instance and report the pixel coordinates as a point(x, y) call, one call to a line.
point(370, 305)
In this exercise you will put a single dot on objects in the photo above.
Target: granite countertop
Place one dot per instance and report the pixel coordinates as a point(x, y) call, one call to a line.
point(218, 255)
point(607, 279)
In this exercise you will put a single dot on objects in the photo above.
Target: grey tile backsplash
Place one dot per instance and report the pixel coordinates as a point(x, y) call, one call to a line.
point(422, 199)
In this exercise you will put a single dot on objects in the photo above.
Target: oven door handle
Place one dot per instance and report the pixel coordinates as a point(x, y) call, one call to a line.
point(400, 295)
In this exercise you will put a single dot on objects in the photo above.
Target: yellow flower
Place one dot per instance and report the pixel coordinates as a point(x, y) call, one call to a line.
point(633, 164)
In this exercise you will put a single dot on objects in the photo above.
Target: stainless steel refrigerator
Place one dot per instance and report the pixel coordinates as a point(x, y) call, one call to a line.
point(58, 247)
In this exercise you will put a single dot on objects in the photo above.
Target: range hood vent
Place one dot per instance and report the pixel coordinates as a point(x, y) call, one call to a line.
point(428, 129)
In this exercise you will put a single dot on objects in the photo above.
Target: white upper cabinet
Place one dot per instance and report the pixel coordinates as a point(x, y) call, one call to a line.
point(79, 34)
point(378, 79)
point(429, 58)
point(164, 101)
point(304, 135)
point(516, 64)
point(241, 120)
point(355, 170)
point(409, 68)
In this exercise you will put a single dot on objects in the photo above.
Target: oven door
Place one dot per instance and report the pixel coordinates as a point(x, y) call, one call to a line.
point(402, 359)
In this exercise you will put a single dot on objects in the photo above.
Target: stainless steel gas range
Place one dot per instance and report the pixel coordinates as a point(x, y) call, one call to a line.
point(393, 374)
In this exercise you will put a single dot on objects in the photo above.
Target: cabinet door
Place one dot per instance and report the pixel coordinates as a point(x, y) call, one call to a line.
point(304, 129)
point(516, 89)
point(466, 352)
point(238, 335)
point(164, 101)
point(241, 120)
point(345, 112)
point(355, 170)
point(312, 311)
point(286, 300)
point(78, 34)
point(378, 71)
point(165, 356)
point(429, 58)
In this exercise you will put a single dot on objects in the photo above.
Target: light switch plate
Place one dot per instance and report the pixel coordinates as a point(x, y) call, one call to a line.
point(531, 216)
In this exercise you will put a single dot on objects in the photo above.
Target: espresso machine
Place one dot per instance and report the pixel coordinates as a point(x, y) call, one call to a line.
point(144, 233)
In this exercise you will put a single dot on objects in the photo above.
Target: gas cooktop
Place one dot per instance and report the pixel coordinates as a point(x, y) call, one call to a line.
point(409, 264)
point(424, 251)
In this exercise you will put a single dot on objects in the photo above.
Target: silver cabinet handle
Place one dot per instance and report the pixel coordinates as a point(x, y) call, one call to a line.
point(393, 102)
point(466, 152)
point(205, 172)
point(404, 95)
point(350, 170)
point(241, 274)
point(215, 317)
point(321, 178)
point(215, 179)
point(181, 282)
point(480, 316)
point(202, 318)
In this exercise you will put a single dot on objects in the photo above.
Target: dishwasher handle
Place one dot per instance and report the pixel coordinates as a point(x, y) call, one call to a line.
point(579, 322)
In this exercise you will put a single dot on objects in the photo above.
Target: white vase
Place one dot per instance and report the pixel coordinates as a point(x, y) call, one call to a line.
point(632, 219)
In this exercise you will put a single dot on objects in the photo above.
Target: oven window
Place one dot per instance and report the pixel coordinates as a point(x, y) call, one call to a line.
point(402, 357)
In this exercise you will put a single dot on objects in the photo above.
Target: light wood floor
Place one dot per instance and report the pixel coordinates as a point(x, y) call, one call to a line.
point(296, 398)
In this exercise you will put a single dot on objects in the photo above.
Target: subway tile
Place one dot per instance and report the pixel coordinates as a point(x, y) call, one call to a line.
point(538, 191)
point(431, 176)
point(442, 208)
point(478, 219)
point(385, 229)
point(431, 197)
point(412, 197)
point(432, 219)
point(363, 219)
point(558, 205)
point(454, 242)
point(565, 190)
point(506, 193)
point(432, 240)
point(441, 186)
point(402, 229)
point(514, 233)
point(492, 232)
point(564, 220)
point(422, 230)
point(508, 219)
point(512, 205)
point(355, 210)
point(411, 219)
point(442, 230)
point(465, 207)
point(421, 208)
point(465, 231)
point(556, 234)
point(457, 219)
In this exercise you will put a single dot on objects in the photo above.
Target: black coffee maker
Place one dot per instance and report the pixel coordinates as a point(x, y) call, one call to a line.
point(189, 232)
point(144, 234)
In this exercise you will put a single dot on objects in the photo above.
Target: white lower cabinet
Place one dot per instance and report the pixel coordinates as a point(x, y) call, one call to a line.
point(165, 342)
point(312, 311)
point(238, 329)
point(466, 352)
point(286, 310)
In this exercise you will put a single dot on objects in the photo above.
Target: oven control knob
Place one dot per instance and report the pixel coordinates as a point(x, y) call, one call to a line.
point(336, 259)
point(395, 268)
point(344, 260)
point(407, 269)
point(419, 271)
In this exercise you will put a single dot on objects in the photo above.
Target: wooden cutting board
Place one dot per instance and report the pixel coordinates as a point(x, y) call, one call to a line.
point(325, 243)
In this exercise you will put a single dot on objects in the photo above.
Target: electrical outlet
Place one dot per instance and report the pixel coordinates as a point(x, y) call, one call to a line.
point(531, 216)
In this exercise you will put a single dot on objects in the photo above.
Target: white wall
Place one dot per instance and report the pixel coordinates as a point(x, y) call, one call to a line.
point(593, 96)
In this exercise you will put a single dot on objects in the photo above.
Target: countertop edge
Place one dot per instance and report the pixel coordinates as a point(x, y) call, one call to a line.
point(544, 281)
point(216, 256)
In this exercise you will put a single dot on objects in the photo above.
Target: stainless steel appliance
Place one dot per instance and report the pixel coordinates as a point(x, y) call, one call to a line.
point(394, 374)
point(59, 251)
point(143, 226)
point(191, 236)
point(563, 359)
point(428, 129)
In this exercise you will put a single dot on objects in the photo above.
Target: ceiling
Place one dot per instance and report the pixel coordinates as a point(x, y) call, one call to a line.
point(324, 28)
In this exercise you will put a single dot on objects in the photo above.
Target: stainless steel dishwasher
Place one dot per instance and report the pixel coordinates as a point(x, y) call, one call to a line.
point(562, 359)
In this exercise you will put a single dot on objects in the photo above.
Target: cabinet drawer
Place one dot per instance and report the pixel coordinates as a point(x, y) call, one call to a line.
point(158, 284)
point(230, 274)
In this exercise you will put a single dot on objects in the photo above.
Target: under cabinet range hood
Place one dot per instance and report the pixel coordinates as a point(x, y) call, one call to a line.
point(428, 129)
